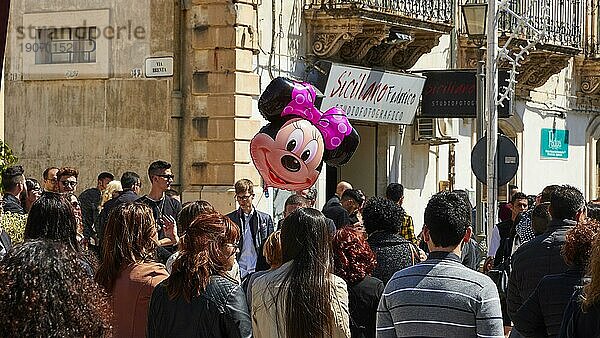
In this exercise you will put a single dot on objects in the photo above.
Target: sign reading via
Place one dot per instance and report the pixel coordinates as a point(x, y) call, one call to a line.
point(555, 143)
point(159, 67)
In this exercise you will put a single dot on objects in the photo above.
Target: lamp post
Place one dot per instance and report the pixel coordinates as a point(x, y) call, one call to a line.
point(475, 19)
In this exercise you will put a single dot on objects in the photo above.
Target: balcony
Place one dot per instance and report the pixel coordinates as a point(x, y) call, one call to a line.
point(588, 65)
point(563, 23)
point(386, 33)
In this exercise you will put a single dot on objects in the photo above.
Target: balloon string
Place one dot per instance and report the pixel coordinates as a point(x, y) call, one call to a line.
point(266, 190)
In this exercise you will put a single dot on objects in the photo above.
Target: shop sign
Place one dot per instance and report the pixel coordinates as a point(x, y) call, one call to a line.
point(372, 95)
point(555, 143)
point(453, 93)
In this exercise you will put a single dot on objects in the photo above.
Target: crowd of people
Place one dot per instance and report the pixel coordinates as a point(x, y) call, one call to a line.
point(113, 262)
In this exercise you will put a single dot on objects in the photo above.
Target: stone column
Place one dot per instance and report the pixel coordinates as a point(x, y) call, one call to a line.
point(219, 89)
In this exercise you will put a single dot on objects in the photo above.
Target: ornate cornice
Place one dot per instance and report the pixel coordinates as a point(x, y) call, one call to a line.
point(356, 38)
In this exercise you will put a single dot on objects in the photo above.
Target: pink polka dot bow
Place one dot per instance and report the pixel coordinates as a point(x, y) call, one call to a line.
point(333, 124)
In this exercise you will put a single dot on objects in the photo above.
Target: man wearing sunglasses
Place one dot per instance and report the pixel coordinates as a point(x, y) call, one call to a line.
point(255, 227)
point(67, 179)
point(164, 208)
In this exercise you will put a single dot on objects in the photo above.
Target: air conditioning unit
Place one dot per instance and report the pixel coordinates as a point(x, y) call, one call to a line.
point(425, 129)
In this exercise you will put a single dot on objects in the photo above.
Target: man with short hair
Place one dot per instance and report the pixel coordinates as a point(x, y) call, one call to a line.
point(501, 244)
point(50, 180)
point(89, 200)
point(339, 190)
point(395, 193)
point(255, 227)
point(295, 202)
point(13, 182)
point(440, 297)
point(132, 185)
point(164, 208)
point(541, 256)
point(67, 179)
point(352, 201)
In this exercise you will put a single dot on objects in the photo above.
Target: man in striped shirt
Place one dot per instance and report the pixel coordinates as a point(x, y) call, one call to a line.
point(440, 297)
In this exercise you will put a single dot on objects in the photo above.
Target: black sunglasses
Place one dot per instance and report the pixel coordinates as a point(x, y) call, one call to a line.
point(68, 183)
point(167, 176)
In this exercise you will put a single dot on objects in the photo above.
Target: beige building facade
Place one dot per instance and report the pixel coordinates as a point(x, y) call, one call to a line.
point(126, 83)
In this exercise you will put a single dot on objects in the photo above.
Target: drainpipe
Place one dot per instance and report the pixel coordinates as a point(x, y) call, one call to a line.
point(178, 97)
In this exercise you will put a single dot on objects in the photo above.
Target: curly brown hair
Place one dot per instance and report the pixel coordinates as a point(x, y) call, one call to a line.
point(353, 257)
point(578, 243)
point(272, 250)
point(591, 292)
point(45, 292)
point(201, 255)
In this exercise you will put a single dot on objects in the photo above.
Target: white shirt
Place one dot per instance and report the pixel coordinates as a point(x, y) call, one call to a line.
point(248, 256)
point(494, 242)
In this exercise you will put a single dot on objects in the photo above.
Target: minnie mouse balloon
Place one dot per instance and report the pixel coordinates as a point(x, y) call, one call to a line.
point(289, 151)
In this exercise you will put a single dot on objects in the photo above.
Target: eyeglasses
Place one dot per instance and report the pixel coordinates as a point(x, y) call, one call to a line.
point(68, 183)
point(168, 177)
point(232, 245)
point(244, 197)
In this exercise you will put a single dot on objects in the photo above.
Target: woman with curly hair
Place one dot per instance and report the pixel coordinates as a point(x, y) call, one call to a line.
point(582, 314)
point(354, 262)
point(129, 271)
point(303, 298)
point(542, 312)
point(382, 219)
point(199, 298)
point(45, 293)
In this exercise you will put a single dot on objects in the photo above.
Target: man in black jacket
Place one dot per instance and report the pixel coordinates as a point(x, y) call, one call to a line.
point(255, 227)
point(541, 256)
point(13, 182)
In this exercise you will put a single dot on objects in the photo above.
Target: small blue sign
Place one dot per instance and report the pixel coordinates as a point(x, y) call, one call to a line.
point(555, 143)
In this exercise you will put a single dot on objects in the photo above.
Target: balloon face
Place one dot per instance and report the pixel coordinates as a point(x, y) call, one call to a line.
point(292, 159)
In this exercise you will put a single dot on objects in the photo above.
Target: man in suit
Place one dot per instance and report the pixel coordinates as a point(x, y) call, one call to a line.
point(255, 227)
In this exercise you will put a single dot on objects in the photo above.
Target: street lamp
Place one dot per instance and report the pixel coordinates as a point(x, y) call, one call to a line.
point(475, 19)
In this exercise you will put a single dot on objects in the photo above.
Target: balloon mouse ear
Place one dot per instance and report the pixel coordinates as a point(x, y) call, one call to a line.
point(342, 154)
point(275, 97)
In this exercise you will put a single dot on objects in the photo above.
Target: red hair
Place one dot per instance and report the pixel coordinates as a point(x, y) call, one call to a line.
point(353, 257)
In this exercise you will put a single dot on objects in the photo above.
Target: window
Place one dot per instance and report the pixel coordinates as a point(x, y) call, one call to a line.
point(65, 45)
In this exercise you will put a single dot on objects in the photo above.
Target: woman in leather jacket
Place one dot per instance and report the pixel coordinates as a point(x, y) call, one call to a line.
point(199, 299)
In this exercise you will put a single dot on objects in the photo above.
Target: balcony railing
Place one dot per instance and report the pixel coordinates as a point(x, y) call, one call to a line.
point(438, 11)
point(563, 21)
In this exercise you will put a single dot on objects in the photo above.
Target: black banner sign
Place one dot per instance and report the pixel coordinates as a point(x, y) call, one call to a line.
point(453, 93)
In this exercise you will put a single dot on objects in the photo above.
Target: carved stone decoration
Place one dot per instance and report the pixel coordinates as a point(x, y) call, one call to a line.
point(422, 44)
point(355, 51)
point(590, 84)
point(358, 36)
point(538, 67)
point(327, 44)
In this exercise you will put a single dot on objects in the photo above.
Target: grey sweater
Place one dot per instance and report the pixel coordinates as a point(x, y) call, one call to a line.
point(439, 298)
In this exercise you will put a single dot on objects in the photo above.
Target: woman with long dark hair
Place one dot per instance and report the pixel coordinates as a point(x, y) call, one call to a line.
point(129, 271)
point(354, 262)
point(302, 298)
point(52, 217)
point(200, 298)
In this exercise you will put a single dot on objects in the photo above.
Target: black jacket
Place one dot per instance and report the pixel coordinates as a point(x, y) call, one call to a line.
point(12, 204)
point(334, 210)
point(220, 311)
point(577, 323)
point(393, 253)
point(534, 260)
point(261, 226)
point(90, 200)
point(542, 313)
point(363, 299)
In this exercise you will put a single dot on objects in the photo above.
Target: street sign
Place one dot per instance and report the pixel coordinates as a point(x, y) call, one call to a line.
point(508, 160)
point(554, 144)
point(159, 67)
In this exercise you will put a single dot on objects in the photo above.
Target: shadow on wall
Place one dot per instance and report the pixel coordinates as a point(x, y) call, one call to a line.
point(411, 160)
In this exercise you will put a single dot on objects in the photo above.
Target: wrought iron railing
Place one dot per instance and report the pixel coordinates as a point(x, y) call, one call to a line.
point(562, 20)
point(592, 37)
point(438, 11)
